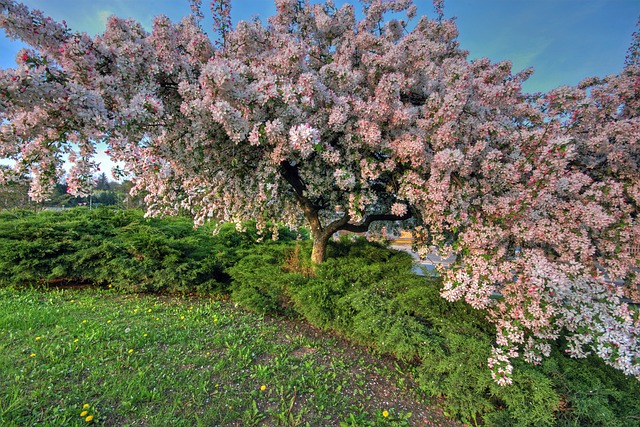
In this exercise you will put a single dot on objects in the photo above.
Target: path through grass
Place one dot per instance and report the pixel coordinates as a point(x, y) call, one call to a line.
point(78, 356)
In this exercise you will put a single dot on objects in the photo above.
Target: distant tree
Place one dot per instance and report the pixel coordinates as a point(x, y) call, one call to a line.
point(322, 120)
point(60, 196)
point(102, 182)
point(14, 193)
point(128, 198)
point(105, 198)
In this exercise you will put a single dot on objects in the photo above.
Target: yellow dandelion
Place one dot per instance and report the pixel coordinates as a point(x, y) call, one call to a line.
point(109, 321)
point(157, 318)
point(130, 350)
point(85, 406)
point(84, 413)
point(76, 340)
point(144, 335)
point(84, 321)
point(89, 418)
point(32, 355)
point(149, 310)
point(263, 387)
point(37, 338)
point(385, 414)
point(71, 301)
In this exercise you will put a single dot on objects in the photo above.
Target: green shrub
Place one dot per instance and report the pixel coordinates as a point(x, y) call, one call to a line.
point(117, 248)
point(593, 393)
point(259, 279)
point(530, 401)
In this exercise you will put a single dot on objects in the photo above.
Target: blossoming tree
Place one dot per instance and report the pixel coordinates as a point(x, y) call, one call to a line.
point(324, 120)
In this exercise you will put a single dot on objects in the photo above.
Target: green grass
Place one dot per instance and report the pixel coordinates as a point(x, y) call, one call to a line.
point(157, 361)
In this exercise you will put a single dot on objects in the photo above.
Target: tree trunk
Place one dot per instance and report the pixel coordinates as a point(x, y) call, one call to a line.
point(319, 251)
point(320, 234)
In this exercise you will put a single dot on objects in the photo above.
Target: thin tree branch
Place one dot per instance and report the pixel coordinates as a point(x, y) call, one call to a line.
point(364, 225)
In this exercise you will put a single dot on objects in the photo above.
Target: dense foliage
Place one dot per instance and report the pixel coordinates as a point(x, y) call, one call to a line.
point(323, 119)
point(116, 248)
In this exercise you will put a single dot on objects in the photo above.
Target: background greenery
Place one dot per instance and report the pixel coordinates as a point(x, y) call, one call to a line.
point(364, 292)
point(15, 194)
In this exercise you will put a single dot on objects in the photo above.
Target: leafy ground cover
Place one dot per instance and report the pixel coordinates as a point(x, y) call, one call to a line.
point(120, 248)
point(73, 356)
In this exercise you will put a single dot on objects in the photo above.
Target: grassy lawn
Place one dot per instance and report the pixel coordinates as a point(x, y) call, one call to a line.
point(78, 356)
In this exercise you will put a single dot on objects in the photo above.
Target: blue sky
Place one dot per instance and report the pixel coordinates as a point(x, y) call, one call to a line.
point(564, 40)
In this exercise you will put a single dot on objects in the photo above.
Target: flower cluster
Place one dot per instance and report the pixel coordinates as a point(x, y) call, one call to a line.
point(303, 138)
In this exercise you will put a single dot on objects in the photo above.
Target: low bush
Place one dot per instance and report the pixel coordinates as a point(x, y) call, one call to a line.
point(117, 248)
point(260, 280)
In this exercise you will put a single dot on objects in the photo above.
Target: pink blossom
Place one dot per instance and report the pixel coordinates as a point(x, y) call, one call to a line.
point(303, 138)
point(399, 209)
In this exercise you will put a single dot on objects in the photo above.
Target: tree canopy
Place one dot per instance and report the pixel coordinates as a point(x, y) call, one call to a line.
point(322, 119)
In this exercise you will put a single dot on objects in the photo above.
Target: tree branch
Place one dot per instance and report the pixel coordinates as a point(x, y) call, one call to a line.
point(337, 225)
point(290, 173)
point(364, 225)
